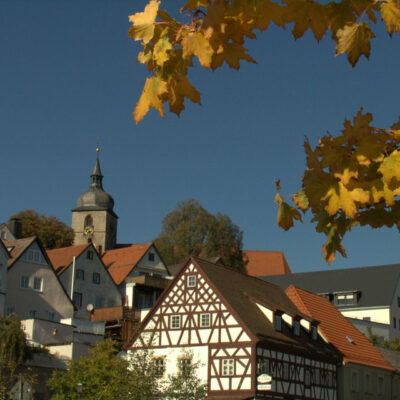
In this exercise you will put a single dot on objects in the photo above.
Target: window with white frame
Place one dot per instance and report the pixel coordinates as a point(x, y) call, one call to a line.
point(191, 281)
point(205, 320)
point(24, 282)
point(175, 322)
point(228, 365)
point(37, 283)
point(185, 364)
point(159, 367)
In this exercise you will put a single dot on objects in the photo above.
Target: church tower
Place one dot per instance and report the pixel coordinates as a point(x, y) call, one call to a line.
point(93, 220)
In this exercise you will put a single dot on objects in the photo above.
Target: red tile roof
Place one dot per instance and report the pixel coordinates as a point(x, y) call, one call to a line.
point(120, 262)
point(62, 258)
point(336, 329)
point(263, 263)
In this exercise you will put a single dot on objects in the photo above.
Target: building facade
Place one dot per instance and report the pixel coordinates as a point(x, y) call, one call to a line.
point(4, 257)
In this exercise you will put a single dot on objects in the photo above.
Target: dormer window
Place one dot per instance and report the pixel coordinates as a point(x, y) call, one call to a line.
point(314, 333)
point(343, 299)
point(278, 322)
point(296, 327)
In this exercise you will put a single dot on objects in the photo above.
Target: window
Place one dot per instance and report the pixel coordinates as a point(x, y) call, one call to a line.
point(37, 284)
point(204, 320)
point(191, 281)
point(77, 299)
point(24, 281)
point(367, 383)
point(398, 301)
point(296, 328)
point(9, 311)
point(159, 367)
point(263, 366)
point(175, 321)
point(33, 314)
point(185, 366)
point(278, 322)
point(80, 274)
point(394, 321)
point(227, 366)
point(380, 385)
point(345, 299)
point(52, 316)
point(354, 382)
point(96, 278)
point(314, 333)
point(89, 255)
point(151, 257)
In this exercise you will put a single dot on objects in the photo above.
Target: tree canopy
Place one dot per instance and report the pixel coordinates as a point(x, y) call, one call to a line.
point(50, 230)
point(13, 352)
point(191, 230)
point(351, 179)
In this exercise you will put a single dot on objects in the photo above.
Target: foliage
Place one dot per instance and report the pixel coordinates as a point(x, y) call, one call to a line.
point(191, 230)
point(14, 351)
point(185, 385)
point(391, 344)
point(351, 179)
point(50, 230)
point(216, 31)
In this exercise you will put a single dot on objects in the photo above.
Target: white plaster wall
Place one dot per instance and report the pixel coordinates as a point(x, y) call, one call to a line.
point(70, 351)
point(106, 290)
point(45, 332)
point(51, 299)
point(381, 314)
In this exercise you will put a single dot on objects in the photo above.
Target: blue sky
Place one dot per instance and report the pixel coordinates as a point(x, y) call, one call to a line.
point(69, 78)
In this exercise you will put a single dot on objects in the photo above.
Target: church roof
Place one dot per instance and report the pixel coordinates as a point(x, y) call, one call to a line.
point(120, 262)
point(62, 258)
point(262, 263)
point(337, 330)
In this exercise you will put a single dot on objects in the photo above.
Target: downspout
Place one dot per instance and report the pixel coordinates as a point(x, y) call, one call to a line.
point(73, 278)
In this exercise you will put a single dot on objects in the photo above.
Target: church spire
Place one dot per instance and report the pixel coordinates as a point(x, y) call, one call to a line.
point(96, 177)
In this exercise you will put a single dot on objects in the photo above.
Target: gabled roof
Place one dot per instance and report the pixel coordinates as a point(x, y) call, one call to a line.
point(17, 247)
point(376, 284)
point(62, 258)
point(120, 262)
point(262, 263)
point(242, 293)
point(4, 249)
point(337, 330)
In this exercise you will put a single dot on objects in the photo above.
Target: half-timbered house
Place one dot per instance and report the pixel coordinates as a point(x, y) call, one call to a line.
point(249, 338)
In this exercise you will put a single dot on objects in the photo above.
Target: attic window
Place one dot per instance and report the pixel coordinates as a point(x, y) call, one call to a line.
point(345, 298)
point(191, 281)
point(89, 255)
point(278, 322)
point(151, 257)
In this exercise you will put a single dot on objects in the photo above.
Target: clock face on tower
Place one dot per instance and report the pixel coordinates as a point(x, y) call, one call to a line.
point(88, 231)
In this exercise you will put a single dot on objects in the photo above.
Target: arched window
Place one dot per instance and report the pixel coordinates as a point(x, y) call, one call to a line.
point(88, 221)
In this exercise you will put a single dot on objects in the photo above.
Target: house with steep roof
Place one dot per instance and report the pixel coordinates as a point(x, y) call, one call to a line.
point(4, 257)
point(363, 373)
point(85, 278)
point(245, 333)
point(368, 296)
point(139, 272)
point(33, 289)
point(262, 263)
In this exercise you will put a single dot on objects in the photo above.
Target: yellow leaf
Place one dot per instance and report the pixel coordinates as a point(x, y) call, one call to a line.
point(143, 23)
point(179, 88)
point(360, 195)
point(390, 167)
point(346, 175)
point(160, 51)
point(390, 12)
point(152, 94)
point(196, 43)
point(354, 40)
point(192, 5)
point(301, 200)
point(332, 245)
point(231, 53)
point(286, 214)
point(339, 198)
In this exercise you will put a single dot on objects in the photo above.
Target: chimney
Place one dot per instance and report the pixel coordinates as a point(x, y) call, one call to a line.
point(15, 226)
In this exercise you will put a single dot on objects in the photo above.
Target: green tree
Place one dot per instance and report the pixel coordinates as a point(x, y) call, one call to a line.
point(185, 385)
point(191, 230)
point(352, 179)
point(14, 351)
point(50, 230)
